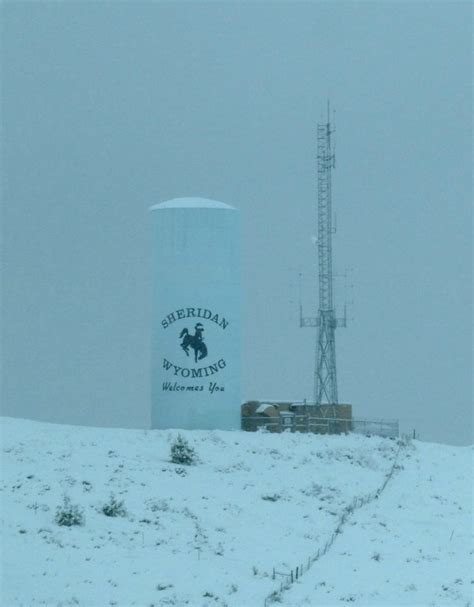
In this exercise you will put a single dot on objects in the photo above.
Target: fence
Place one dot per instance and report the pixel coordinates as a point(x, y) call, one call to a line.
point(320, 425)
point(381, 427)
point(290, 577)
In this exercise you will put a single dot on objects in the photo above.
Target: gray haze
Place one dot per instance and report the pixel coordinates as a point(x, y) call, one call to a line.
point(108, 108)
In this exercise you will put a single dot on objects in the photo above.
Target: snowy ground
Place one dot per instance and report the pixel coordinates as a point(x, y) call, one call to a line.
point(211, 534)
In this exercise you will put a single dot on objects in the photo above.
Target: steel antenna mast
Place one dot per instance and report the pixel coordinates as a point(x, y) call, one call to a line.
point(325, 375)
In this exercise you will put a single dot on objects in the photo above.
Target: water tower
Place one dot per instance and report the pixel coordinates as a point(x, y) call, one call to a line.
point(196, 328)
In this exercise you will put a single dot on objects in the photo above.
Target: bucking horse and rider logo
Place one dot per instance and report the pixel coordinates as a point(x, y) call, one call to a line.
point(196, 342)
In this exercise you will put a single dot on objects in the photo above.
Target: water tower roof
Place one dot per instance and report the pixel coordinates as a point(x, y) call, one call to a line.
point(191, 203)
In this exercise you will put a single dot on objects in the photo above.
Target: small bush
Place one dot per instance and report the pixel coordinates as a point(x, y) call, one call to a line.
point(275, 597)
point(219, 551)
point(69, 514)
point(182, 453)
point(376, 556)
point(158, 505)
point(86, 486)
point(161, 587)
point(271, 498)
point(114, 507)
point(314, 490)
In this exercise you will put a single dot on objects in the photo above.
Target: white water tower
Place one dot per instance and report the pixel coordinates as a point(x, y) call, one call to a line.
point(196, 315)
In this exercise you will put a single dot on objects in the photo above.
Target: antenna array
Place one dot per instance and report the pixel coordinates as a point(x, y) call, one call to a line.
point(325, 375)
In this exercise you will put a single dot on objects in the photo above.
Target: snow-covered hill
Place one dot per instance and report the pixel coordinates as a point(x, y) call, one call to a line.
point(211, 534)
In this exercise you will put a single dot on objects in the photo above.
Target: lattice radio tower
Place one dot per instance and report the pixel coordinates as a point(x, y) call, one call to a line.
point(325, 375)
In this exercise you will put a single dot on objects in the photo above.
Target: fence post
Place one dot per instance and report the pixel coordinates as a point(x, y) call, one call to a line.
point(297, 573)
point(291, 576)
point(273, 576)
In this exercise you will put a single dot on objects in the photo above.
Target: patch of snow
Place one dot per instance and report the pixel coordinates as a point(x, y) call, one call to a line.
point(263, 407)
point(211, 534)
point(191, 203)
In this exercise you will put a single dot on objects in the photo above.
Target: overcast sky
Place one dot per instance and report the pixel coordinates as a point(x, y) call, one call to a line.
point(108, 108)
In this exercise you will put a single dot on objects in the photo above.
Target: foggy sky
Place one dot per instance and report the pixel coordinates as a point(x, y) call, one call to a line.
point(108, 108)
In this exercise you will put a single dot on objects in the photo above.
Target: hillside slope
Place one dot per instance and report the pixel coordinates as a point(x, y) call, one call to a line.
point(411, 547)
point(211, 534)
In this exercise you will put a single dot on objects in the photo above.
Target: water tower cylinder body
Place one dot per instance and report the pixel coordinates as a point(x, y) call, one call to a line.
point(196, 315)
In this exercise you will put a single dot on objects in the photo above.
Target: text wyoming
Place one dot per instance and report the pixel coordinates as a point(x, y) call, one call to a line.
point(194, 373)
